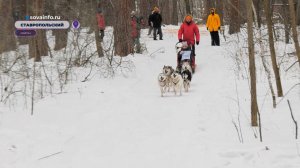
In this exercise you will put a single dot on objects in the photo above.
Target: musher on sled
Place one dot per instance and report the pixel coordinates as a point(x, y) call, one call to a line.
point(184, 54)
point(189, 34)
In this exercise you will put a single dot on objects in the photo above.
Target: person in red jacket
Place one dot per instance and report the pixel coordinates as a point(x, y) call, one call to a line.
point(188, 32)
point(136, 24)
point(101, 23)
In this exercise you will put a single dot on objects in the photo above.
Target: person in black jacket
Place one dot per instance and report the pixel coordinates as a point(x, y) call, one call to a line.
point(156, 19)
point(150, 23)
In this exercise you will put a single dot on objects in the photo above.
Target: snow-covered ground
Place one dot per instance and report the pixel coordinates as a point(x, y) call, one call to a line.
point(123, 122)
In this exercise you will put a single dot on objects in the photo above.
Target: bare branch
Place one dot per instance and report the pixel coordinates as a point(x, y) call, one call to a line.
point(295, 122)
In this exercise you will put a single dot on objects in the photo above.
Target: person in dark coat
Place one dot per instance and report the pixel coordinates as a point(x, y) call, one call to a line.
point(156, 19)
point(150, 23)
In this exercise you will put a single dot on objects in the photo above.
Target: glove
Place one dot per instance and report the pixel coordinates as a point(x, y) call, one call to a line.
point(197, 42)
point(180, 40)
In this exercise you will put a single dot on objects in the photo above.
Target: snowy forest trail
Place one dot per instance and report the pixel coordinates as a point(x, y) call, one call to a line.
point(124, 122)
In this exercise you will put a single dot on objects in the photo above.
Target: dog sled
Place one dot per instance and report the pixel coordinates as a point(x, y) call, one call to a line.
point(185, 53)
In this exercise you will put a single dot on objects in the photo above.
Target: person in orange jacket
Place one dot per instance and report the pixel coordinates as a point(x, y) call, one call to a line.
point(213, 24)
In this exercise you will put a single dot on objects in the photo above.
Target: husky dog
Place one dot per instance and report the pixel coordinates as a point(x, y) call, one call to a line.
point(162, 81)
point(177, 82)
point(186, 66)
point(186, 73)
point(168, 70)
point(187, 77)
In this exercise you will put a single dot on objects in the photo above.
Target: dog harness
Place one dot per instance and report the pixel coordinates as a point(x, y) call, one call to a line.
point(175, 83)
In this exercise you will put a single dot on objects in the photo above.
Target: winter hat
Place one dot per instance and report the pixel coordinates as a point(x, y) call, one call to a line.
point(132, 13)
point(188, 18)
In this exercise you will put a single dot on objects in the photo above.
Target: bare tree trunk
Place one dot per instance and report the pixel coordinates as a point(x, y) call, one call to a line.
point(145, 10)
point(21, 8)
point(254, 106)
point(181, 11)
point(220, 10)
point(272, 48)
point(33, 88)
point(98, 43)
point(268, 72)
point(286, 18)
point(201, 5)
point(257, 4)
point(207, 6)
point(61, 36)
point(122, 30)
point(298, 12)
point(84, 12)
point(234, 24)
point(61, 39)
point(294, 29)
point(153, 3)
point(165, 11)
point(295, 122)
point(92, 10)
point(187, 7)
point(262, 51)
point(174, 19)
point(38, 45)
point(7, 26)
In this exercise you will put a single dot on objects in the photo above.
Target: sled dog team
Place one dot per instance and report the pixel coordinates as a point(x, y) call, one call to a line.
point(176, 79)
point(188, 36)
